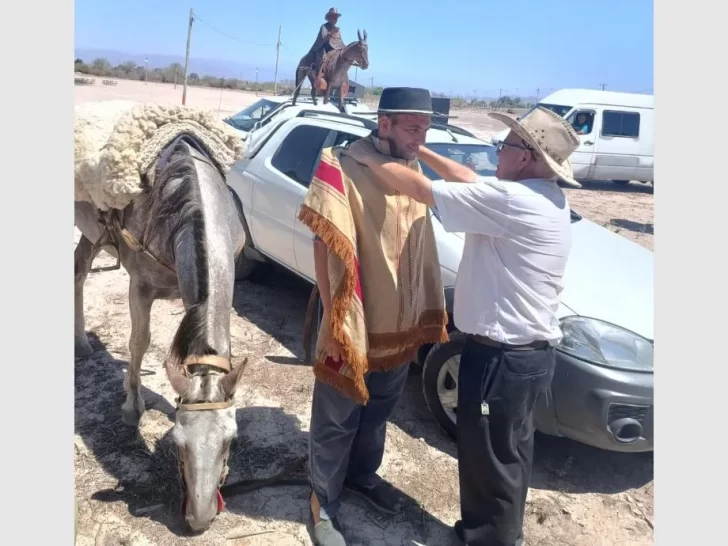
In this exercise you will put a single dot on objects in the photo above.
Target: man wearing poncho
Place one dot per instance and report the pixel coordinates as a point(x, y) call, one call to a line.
point(379, 277)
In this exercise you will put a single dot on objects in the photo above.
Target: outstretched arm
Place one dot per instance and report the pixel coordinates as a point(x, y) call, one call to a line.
point(404, 180)
point(446, 168)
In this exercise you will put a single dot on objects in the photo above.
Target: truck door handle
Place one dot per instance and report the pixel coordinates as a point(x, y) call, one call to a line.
point(588, 143)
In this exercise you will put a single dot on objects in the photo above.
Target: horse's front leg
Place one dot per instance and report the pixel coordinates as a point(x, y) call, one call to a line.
point(343, 93)
point(140, 307)
point(83, 257)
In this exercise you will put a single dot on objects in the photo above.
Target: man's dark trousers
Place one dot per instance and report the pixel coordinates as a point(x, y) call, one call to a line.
point(497, 391)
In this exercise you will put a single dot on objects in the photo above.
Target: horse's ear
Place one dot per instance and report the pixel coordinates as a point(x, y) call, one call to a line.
point(231, 381)
point(365, 35)
point(358, 33)
point(180, 383)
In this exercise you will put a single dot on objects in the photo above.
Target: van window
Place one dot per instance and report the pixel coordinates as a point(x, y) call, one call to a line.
point(620, 124)
point(582, 121)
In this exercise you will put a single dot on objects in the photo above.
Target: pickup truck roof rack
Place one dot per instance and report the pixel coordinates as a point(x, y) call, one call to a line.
point(367, 123)
point(371, 125)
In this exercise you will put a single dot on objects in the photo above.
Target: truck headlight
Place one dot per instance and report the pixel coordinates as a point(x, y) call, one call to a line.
point(606, 344)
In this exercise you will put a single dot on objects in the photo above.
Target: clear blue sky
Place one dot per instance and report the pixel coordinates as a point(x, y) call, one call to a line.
point(463, 47)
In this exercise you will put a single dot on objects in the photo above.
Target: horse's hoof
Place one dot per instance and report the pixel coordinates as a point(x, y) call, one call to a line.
point(82, 348)
point(131, 414)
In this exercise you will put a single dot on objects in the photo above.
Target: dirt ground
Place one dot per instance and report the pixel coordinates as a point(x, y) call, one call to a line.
point(579, 495)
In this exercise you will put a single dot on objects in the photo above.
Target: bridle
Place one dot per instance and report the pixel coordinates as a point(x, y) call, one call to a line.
point(350, 48)
point(223, 364)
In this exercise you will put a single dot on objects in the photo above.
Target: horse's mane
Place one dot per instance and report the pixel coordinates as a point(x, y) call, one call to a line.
point(174, 204)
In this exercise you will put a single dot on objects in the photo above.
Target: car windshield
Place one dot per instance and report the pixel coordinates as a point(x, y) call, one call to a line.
point(245, 119)
point(479, 157)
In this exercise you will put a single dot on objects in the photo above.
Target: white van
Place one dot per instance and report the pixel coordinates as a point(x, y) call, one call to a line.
point(616, 132)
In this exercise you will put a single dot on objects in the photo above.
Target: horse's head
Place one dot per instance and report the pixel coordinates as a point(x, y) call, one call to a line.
point(360, 51)
point(204, 428)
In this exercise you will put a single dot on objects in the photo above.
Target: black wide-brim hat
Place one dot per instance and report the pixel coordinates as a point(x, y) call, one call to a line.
point(405, 100)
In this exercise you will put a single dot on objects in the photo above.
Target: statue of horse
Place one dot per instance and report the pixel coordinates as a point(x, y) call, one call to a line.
point(178, 239)
point(334, 72)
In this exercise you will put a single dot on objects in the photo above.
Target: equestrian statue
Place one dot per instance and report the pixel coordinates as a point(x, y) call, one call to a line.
point(328, 61)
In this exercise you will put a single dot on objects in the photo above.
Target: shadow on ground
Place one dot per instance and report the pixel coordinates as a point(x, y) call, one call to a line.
point(146, 471)
point(275, 301)
point(637, 227)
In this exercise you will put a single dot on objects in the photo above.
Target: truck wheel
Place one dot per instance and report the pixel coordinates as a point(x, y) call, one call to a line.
point(440, 382)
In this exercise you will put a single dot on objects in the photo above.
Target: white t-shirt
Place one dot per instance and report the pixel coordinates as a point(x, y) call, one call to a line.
point(517, 241)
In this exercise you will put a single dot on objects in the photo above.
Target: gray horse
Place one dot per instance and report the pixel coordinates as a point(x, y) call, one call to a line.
point(191, 229)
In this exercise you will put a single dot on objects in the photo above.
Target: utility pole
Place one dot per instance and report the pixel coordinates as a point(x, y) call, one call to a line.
point(603, 85)
point(278, 51)
point(146, 70)
point(257, 87)
point(538, 91)
point(187, 58)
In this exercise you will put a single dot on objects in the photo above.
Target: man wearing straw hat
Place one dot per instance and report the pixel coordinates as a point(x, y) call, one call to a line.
point(518, 237)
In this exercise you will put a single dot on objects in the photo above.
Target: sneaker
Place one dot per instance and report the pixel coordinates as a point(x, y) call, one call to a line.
point(382, 496)
point(327, 532)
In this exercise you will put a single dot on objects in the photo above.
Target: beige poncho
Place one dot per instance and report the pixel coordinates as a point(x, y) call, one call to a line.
point(386, 291)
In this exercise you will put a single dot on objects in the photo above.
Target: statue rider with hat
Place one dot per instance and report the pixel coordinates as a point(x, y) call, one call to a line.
point(328, 39)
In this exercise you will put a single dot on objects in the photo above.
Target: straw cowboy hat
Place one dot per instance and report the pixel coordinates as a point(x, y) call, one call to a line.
point(550, 136)
point(331, 13)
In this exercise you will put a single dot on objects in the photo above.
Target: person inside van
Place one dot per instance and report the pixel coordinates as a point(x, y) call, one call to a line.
point(582, 125)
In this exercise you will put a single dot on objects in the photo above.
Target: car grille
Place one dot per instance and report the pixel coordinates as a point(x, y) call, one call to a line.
point(623, 411)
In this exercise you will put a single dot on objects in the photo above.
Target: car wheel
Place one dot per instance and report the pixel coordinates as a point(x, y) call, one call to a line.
point(621, 182)
point(440, 382)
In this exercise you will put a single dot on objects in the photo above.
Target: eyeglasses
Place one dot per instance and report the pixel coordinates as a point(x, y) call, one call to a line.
point(502, 145)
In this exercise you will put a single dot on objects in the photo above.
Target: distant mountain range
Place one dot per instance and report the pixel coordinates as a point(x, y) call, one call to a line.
point(211, 67)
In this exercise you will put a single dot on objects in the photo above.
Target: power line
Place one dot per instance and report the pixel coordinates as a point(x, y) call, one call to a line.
point(197, 18)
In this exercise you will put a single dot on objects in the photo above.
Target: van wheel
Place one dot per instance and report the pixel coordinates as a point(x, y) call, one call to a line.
point(440, 382)
point(621, 182)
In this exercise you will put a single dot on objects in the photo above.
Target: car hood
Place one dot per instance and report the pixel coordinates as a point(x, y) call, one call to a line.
point(607, 277)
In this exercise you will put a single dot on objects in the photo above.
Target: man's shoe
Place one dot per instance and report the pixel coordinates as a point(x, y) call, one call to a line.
point(382, 496)
point(327, 532)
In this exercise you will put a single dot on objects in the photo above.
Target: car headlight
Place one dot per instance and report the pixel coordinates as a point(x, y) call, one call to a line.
point(606, 344)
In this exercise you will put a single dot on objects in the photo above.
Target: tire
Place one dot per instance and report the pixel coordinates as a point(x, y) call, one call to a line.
point(434, 373)
point(621, 182)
